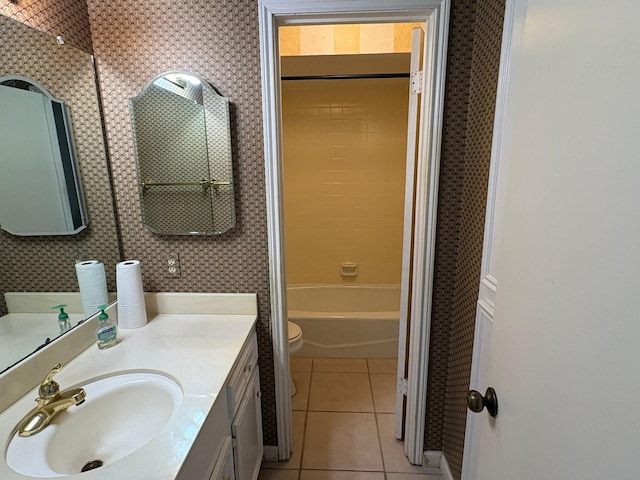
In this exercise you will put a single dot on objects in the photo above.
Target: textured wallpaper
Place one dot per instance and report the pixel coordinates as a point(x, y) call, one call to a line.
point(46, 263)
point(134, 42)
point(67, 18)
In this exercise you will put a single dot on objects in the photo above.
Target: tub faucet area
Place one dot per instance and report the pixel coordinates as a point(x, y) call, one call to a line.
point(51, 402)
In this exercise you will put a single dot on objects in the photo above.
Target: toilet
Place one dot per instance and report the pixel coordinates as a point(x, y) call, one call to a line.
point(295, 344)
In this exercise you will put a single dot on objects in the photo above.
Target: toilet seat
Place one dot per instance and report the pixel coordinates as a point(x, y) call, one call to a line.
point(295, 337)
point(294, 331)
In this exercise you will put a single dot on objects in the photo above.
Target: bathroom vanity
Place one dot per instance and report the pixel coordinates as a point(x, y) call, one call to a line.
point(203, 343)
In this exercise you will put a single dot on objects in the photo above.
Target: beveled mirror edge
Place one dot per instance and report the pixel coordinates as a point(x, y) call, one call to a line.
point(141, 181)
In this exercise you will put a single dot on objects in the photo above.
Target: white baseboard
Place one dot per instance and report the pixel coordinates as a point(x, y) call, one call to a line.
point(270, 453)
point(444, 468)
point(431, 458)
point(435, 459)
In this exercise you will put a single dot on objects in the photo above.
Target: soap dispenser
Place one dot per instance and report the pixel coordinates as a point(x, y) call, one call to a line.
point(107, 332)
point(63, 318)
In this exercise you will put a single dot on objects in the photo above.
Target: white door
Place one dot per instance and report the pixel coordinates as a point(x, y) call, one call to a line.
point(413, 124)
point(564, 356)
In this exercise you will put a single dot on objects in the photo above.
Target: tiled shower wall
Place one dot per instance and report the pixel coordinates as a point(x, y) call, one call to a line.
point(472, 72)
point(344, 172)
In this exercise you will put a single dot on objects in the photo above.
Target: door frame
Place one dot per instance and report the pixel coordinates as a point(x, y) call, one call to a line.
point(272, 14)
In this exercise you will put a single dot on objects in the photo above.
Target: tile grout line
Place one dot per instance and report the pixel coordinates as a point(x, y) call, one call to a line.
point(375, 414)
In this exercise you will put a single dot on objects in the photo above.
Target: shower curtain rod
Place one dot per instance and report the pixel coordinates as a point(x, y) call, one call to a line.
point(350, 76)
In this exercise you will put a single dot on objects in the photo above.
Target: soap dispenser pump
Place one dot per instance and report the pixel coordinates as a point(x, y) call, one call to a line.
point(107, 332)
point(63, 319)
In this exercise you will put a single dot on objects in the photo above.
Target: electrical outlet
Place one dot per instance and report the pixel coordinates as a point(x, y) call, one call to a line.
point(173, 265)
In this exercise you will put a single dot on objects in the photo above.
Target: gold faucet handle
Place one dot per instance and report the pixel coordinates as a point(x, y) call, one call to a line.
point(49, 388)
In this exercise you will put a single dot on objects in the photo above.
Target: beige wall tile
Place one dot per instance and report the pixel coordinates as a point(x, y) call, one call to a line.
point(376, 38)
point(402, 33)
point(346, 39)
point(316, 40)
point(344, 183)
point(289, 39)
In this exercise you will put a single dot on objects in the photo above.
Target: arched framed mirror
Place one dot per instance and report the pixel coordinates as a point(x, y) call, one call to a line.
point(40, 189)
point(182, 140)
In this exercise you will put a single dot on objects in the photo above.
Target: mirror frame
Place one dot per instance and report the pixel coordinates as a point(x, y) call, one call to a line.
point(64, 163)
point(209, 185)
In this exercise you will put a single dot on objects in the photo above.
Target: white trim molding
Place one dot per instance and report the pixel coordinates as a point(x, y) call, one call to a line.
point(270, 453)
point(435, 462)
point(272, 14)
point(425, 216)
point(445, 469)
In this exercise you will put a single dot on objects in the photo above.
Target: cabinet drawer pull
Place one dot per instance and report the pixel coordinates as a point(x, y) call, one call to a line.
point(247, 369)
point(257, 394)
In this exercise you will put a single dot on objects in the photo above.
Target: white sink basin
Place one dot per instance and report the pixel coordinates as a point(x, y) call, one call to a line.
point(121, 414)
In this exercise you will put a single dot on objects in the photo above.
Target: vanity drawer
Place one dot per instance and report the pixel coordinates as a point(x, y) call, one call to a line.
point(246, 364)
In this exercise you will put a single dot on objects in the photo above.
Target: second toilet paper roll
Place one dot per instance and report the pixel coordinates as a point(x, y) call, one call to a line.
point(131, 308)
point(92, 281)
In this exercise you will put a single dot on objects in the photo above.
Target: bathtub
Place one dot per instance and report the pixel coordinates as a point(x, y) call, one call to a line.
point(350, 321)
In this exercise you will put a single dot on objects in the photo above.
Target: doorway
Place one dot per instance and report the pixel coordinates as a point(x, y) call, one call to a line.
point(345, 97)
point(434, 14)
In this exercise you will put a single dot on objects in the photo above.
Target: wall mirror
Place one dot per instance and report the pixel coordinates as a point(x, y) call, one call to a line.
point(40, 191)
point(47, 263)
point(182, 139)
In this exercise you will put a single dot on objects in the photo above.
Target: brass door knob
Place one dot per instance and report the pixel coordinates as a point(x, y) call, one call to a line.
point(476, 402)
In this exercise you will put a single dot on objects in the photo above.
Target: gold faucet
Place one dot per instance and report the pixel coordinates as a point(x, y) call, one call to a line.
point(51, 402)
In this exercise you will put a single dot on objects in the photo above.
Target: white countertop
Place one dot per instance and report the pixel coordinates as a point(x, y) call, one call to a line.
point(22, 333)
point(197, 350)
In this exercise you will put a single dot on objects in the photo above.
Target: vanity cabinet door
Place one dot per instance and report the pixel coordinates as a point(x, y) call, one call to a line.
point(224, 469)
point(246, 429)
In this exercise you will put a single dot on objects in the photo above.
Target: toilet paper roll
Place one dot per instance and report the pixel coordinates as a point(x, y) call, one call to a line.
point(92, 282)
point(131, 308)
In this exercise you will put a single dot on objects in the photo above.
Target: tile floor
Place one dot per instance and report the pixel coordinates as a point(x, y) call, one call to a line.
point(343, 422)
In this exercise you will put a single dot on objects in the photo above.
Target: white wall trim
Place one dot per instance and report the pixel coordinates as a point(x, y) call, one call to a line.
point(496, 143)
point(435, 462)
point(287, 12)
point(432, 459)
point(444, 468)
point(425, 216)
point(270, 67)
point(270, 453)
